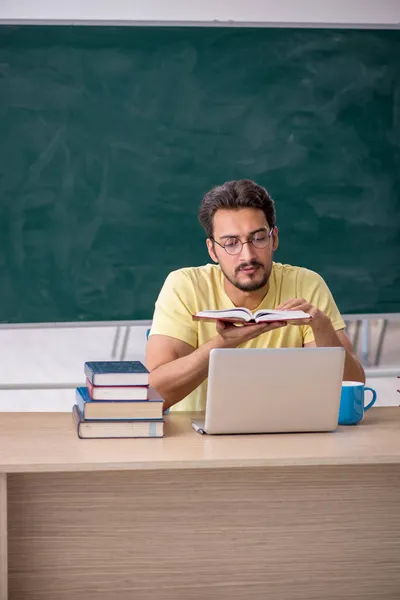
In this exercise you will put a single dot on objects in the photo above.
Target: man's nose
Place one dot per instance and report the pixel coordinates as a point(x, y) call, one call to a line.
point(248, 251)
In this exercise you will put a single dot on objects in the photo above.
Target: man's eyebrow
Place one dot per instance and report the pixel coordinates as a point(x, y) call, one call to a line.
point(235, 235)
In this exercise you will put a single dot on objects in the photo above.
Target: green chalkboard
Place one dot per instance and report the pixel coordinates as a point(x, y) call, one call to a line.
point(111, 135)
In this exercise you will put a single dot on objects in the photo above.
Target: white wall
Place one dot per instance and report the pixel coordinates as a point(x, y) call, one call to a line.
point(53, 357)
point(364, 13)
point(38, 358)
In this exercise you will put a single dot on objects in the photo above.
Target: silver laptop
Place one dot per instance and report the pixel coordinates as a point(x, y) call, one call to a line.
point(273, 390)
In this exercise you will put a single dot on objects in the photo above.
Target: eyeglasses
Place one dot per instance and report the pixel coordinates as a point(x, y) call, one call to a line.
point(234, 245)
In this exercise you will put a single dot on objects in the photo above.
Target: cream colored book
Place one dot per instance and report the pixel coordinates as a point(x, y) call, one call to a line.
point(116, 428)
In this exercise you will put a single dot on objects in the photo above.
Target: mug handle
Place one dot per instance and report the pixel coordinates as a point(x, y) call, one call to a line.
point(373, 398)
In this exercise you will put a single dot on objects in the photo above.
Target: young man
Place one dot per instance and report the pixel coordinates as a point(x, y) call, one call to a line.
point(240, 223)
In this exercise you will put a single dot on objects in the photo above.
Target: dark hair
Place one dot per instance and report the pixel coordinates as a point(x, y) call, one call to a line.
point(243, 193)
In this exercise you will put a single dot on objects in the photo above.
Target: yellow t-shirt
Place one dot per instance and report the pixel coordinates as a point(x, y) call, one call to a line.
point(187, 291)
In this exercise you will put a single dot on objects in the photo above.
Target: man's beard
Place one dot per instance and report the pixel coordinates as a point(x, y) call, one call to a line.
point(250, 286)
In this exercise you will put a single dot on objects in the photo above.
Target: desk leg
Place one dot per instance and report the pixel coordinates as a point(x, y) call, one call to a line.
point(3, 537)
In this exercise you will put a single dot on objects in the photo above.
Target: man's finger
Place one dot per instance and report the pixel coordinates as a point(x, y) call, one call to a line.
point(300, 321)
point(289, 304)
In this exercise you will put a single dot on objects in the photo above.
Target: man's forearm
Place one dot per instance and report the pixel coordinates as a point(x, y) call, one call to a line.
point(327, 336)
point(176, 379)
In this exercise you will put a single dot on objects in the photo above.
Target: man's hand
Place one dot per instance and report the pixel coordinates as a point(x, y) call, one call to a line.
point(231, 335)
point(318, 320)
point(326, 336)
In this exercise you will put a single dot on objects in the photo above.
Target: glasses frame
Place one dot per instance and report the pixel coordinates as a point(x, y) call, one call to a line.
point(243, 243)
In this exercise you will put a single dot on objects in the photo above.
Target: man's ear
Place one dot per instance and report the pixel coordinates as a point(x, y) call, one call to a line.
point(275, 238)
point(211, 252)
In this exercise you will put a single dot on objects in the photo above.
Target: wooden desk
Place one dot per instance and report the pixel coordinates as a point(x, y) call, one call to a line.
point(286, 517)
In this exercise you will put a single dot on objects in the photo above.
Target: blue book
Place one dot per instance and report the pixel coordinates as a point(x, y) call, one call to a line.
point(112, 372)
point(117, 409)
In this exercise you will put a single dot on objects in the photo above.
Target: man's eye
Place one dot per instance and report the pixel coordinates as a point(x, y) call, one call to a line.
point(260, 237)
point(231, 243)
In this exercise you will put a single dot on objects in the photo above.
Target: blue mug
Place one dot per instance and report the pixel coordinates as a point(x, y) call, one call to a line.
point(352, 402)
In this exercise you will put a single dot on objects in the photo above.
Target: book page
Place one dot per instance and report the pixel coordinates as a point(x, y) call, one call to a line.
point(230, 313)
point(280, 315)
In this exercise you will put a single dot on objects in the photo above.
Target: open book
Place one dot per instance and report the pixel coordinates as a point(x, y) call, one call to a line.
point(244, 315)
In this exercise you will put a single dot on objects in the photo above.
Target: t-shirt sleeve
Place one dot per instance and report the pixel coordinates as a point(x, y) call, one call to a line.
point(314, 289)
point(174, 308)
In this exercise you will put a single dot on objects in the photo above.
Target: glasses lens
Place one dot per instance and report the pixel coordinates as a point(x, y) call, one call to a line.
point(260, 240)
point(233, 245)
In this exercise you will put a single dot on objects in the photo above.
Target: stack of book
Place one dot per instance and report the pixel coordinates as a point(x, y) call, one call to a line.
point(117, 402)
